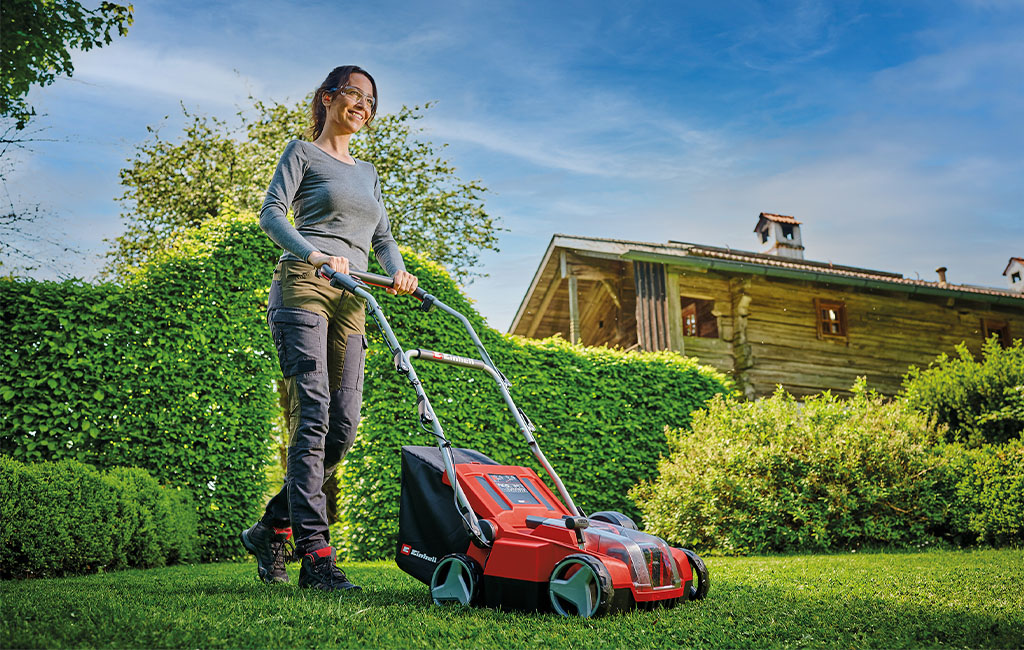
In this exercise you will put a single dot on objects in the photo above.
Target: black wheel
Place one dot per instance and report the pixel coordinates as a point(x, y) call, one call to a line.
point(616, 518)
point(457, 579)
point(580, 586)
point(700, 575)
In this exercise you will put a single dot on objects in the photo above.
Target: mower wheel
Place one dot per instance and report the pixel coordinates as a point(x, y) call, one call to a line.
point(581, 586)
point(700, 573)
point(615, 518)
point(457, 579)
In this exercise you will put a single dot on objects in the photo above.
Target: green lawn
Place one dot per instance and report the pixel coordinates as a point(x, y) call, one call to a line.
point(932, 599)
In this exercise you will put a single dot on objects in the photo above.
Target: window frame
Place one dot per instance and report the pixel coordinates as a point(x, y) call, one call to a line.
point(990, 326)
point(839, 307)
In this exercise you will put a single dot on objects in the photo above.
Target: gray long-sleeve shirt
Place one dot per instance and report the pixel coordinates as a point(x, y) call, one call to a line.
point(337, 208)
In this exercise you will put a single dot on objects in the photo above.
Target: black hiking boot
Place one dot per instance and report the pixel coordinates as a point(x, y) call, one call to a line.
point(320, 571)
point(268, 545)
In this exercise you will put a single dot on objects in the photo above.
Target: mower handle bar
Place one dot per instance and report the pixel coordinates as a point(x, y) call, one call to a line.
point(362, 278)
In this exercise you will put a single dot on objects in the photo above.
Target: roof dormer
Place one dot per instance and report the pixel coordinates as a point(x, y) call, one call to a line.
point(1014, 273)
point(779, 235)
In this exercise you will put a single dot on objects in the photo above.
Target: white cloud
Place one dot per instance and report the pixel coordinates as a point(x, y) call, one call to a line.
point(188, 76)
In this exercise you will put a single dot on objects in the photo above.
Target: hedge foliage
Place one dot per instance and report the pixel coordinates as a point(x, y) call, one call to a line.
point(829, 474)
point(981, 401)
point(171, 372)
point(777, 475)
point(986, 484)
point(65, 517)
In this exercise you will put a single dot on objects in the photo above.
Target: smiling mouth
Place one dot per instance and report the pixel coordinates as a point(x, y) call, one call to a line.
point(357, 114)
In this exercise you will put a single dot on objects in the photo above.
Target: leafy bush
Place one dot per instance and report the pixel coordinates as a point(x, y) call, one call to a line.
point(980, 401)
point(65, 517)
point(166, 531)
point(171, 372)
point(777, 475)
point(986, 484)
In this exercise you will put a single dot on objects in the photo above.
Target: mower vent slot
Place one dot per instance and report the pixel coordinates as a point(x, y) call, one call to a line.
point(494, 495)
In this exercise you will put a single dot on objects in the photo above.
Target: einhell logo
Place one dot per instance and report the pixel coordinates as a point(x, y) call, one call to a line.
point(408, 550)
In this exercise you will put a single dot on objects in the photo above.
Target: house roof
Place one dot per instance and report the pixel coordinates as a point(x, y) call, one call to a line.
point(778, 218)
point(739, 261)
point(1010, 263)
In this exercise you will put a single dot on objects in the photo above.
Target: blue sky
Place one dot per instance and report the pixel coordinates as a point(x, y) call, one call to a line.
point(892, 130)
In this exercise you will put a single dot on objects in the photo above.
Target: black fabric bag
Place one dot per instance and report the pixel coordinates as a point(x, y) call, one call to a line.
point(429, 526)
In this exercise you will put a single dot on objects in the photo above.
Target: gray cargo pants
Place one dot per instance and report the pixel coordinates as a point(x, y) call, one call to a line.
point(319, 332)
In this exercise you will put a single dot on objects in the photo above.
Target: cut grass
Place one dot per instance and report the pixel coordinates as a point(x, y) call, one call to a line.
point(932, 599)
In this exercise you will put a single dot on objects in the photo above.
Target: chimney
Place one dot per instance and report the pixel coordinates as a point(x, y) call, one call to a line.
point(942, 275)
point(779, 235)
point(1014, 273)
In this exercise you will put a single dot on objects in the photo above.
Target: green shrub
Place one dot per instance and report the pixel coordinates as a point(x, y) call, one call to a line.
point(66, 517)
point(167, 520)
point(986, 485)
point(171, 372)
point(777, 475)
point(980, 401)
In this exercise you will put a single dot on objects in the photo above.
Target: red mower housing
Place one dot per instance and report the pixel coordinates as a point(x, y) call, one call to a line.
point(540, 557)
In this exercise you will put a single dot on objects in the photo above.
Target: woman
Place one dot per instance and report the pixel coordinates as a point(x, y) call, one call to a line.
point(319, 330)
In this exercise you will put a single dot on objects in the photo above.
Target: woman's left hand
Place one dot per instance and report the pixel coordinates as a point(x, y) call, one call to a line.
point(405, 283)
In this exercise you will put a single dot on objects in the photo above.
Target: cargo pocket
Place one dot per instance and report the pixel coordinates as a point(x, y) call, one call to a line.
point(299, 338)
point(355, 360)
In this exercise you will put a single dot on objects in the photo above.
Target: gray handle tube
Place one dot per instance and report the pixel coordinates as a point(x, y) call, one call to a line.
point(524, 427)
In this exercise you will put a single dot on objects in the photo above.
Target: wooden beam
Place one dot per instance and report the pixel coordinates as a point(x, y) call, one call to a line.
point(675, 316)
point(611, 293)
point(563, 265)
point(574, 311)
point(549, 294)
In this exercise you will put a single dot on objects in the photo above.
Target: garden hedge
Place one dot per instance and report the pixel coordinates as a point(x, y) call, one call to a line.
point(778, 475)
point(174, 372)
point(980, 400)
point(171, 372)
point(65, 517)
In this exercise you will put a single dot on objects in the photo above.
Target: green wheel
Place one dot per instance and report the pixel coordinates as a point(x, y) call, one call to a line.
point(456, 579)
point(580, 586)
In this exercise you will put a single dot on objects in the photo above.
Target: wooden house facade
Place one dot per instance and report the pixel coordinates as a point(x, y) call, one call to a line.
point(766, 318)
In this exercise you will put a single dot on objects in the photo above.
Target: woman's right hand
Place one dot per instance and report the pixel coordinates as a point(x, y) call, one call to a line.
point(318, 259)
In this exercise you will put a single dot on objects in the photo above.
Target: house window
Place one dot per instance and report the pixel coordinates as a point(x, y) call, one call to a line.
point(787, 231)
point(1015, 276)
point(831, 317)
point(698, 319)
point(998, 328)
point(764, 235)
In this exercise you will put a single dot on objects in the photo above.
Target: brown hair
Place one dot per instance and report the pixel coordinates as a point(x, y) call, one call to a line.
point(337, 78)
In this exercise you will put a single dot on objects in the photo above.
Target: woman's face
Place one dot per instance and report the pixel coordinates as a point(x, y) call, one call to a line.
point(348, 112)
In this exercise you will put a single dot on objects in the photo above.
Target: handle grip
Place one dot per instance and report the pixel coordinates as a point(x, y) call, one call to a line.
point(385, 282)
point(354, 279)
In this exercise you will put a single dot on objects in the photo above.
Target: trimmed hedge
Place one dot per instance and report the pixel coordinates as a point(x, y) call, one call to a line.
point(65, 517)
point(174, 373)
point(981, 401)
point(171, 372)
point(777, 475)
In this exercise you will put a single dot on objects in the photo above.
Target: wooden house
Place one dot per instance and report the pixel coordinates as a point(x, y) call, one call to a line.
point(768, 317)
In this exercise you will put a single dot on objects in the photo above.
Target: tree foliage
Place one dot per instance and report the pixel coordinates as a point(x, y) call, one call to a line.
point(37, 38)
point(172, 186)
